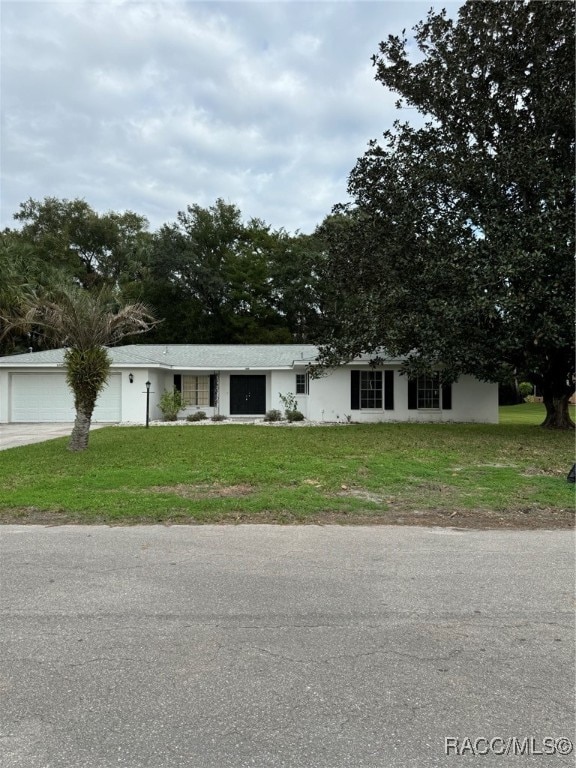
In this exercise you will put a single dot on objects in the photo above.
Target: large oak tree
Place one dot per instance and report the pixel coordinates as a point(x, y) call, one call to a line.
point(458, 249)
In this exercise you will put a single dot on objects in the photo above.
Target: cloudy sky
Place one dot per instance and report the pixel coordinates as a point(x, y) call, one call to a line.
point(152, 106)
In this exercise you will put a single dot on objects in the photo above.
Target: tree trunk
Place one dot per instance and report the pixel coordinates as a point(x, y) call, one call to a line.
point(557, 411)
point(79, 436)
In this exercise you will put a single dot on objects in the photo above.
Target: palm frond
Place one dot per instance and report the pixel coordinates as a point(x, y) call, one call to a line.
point(73, 317)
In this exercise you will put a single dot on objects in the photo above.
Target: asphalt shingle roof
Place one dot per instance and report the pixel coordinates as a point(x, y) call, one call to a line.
point(213, 357)
point(216, 356)
point(181, 356)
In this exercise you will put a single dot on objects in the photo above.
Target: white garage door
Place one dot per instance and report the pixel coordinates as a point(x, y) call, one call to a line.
point(46, 397)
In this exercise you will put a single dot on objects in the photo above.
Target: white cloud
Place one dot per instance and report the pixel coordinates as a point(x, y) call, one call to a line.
point(154, 106)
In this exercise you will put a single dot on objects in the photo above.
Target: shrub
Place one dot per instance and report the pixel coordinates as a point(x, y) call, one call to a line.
point(525, 388)
point(289, 402)
point(218, 417)
point(171, 404)
point(294, 416)
point(198, 416)
point(273, 415)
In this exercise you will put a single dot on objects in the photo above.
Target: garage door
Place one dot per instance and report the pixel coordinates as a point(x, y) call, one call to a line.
point(46, 397)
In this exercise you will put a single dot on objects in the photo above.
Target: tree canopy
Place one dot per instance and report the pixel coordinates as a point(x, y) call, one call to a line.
point(211, 276)
point(95, 248)
point(458, 249)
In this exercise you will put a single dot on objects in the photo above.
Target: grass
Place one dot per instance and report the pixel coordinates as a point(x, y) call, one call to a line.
point(511, 474)
point(527, 413)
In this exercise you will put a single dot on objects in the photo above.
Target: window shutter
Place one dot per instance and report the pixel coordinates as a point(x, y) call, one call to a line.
point(412, 394)
point(212, 390)
point(447, 397)
point(388, 390)
point(178, 382)
point(355, 390)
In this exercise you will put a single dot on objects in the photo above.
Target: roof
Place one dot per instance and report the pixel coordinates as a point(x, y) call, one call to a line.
point(181, 356)
point(186, 356)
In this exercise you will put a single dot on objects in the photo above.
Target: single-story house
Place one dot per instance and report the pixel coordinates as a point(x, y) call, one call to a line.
point(240, 381)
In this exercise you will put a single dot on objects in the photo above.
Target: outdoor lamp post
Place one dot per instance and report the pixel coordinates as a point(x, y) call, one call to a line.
point(148, 385)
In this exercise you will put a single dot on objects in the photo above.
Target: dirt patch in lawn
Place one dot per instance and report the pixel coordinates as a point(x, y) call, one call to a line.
point(361, 493)
point(529, 518)
point(207, 491)
point(480, 519)
point(35, 516)
point(397, 512)
point(535, 471)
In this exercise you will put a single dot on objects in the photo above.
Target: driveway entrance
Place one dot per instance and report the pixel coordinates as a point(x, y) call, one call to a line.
point(13, 435)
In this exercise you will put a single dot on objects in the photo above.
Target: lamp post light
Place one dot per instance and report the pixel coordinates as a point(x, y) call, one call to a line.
point(148, 385)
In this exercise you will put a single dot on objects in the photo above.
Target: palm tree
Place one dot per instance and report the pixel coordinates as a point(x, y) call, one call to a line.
point(86, 323)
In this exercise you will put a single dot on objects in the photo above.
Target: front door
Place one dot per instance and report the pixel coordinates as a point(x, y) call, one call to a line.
point(247, 395)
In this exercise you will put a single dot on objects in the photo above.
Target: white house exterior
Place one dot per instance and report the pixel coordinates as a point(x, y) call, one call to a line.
point(239, 381)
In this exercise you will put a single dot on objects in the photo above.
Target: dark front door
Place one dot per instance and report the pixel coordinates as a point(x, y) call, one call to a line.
point(247, 395)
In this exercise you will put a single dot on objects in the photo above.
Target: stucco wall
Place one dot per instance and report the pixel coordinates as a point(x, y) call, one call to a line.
point(134, 394)
point(276, 382)
point(328, 399)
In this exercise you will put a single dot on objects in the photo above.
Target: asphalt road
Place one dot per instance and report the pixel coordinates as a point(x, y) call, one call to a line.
point(284, 647)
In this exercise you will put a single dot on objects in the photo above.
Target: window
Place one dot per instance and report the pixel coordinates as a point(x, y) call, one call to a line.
point(196, 390)
point(370, 389)
point(302, 383)
point(429, 391)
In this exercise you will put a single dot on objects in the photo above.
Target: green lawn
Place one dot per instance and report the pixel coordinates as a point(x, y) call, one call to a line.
point(527, 413)
point(511, 474)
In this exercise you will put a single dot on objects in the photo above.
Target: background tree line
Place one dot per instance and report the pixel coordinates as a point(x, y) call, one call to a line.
point(209, 276)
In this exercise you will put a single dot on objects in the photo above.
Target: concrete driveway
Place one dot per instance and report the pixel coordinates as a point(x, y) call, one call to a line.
point(261, 646)
point(13, 435)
